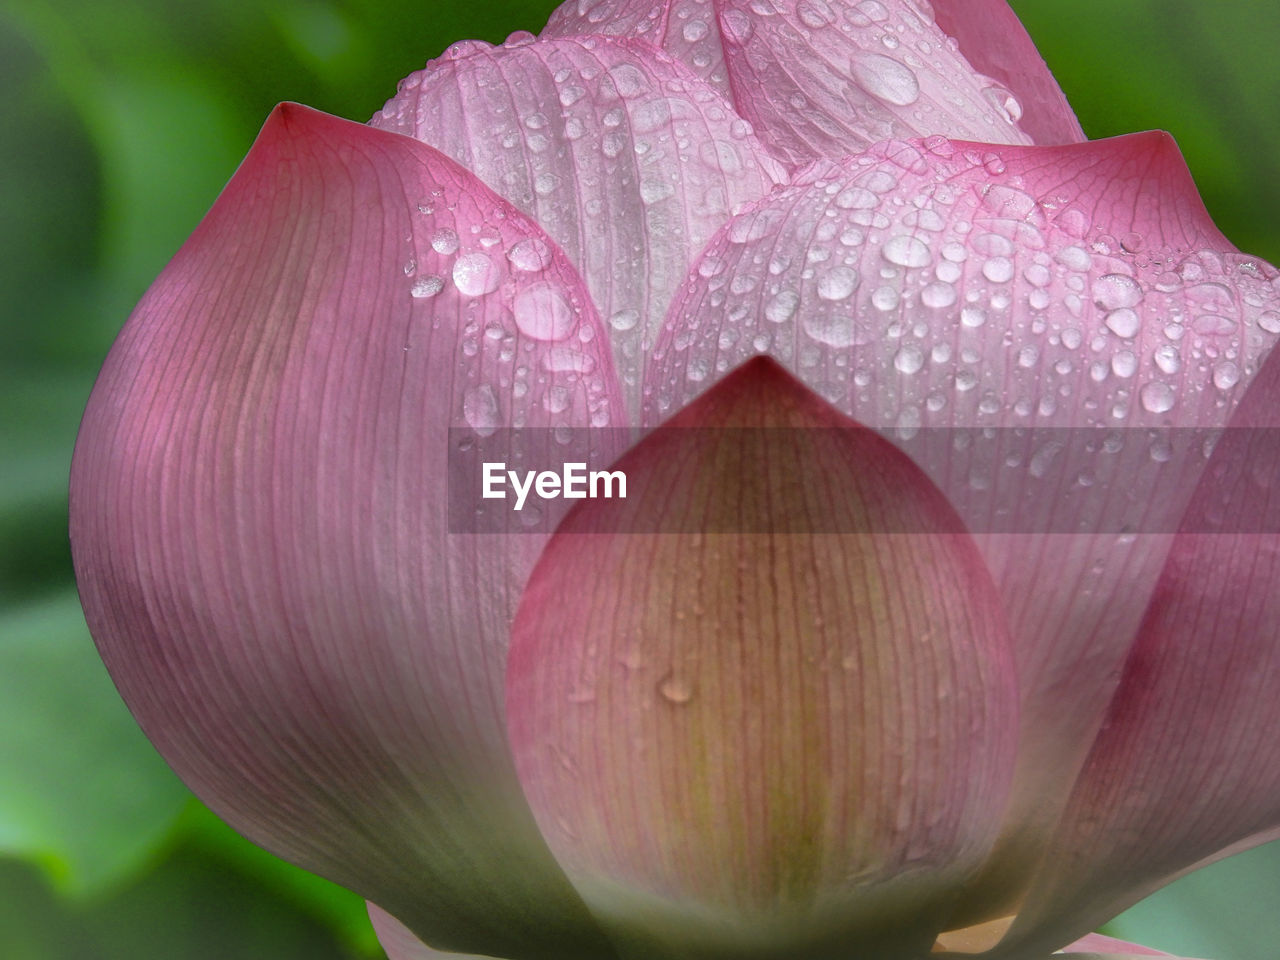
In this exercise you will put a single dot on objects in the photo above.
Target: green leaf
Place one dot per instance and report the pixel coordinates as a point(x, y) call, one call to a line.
point(82, 792)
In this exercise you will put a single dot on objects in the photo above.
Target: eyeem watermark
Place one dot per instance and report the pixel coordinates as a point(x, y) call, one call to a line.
point(573, 482)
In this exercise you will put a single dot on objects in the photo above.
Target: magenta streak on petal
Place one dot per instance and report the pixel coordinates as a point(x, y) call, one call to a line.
point(258, 520)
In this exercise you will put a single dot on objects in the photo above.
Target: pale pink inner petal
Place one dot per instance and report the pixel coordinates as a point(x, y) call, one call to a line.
point(686, 29)
point(625, 158)
point(783, 724)
point(825, 78)
point(1076, 301)
point(261, 526)
point(828, 77)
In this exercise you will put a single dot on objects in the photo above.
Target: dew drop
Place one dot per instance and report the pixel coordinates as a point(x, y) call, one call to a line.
point(838, 330)
point(737, 26)
point(782, 307)
point(837, 283)
point(694, 31)
point(1124, 364)
point(543, 313)
point(908, 360)
point(474, 274)
point(425, 287)
point(1123, 323)
point(530, 255)
point(998, 269)
point(886, 78)
point(1226, 375)
point(445, 241)
point(938, 295)
point(480, 409)
point(1157, 397)
point(1167, 358)
point(814, 13)
point(1112, 291)
point(906, 251)
point(624, 320)
point(675, 689)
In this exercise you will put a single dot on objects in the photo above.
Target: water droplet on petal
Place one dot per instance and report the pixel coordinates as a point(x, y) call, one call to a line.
point(886, 78)
point(480, 409)
point(782, 307)
point(474, 274)
point(675, 689)
point(737, 26)
point(1123, 323)
point(1157, 397)
point(543, 313)
point(530, 255)
point(835, 330)
point(837, 283)
point(908, 360)
point(1114, 290)
point(445, 241)
point(624, 320)
point(425, 287)
point(906, 251)
point(1226, 375)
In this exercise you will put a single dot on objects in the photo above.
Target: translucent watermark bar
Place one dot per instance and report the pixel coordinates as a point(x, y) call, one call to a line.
point(1000, 480)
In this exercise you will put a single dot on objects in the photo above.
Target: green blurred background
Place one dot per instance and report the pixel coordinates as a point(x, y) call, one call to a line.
point(119, 123)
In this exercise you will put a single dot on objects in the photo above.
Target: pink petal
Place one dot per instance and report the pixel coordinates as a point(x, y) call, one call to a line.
point(996, 44)
point(691, 36)
point(628, 161)
point(1186, 768)
point(829, 77)
point(927, 288)
point(260, 526)
point(791, 733)
point(399, 943)
point(1097, 943)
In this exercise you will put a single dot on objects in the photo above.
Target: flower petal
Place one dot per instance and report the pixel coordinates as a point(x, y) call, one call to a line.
point(993, 40)
point(259, 522)
point(1186, 768)
point(692, 36)
point(830, 77)
point(399, 943)
point(628, 161)
point(787, 735)
point(1097, 944)
point(1076, 302)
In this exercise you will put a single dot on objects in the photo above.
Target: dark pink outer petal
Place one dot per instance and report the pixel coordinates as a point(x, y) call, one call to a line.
point(259, 522)
point(993, 39)
point(829, 77)
point(624, 157)
point(1074, 299)
point(1186, 768)
point(788, 736)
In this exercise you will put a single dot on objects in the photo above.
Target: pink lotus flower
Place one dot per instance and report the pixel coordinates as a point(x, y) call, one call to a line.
point(980, 698)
